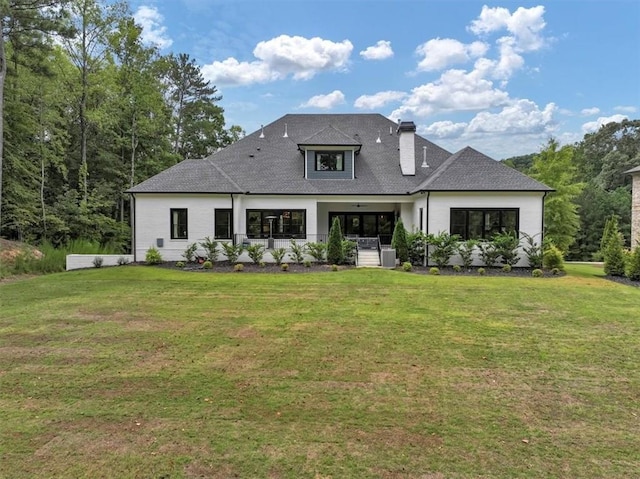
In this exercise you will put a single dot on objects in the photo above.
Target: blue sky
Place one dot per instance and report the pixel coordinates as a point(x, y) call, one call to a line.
point(500, 77)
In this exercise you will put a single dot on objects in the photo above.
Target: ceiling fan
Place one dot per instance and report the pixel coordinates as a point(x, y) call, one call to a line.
point(359, 205)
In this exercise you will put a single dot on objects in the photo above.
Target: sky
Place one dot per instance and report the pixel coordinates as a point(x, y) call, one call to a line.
point(501, 77)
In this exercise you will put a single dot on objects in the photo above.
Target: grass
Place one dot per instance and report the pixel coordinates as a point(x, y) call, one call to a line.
point(148, 372)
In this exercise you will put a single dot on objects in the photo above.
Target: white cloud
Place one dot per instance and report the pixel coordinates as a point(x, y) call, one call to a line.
point(522, 117)
point(153, 31)
point(374, 102)
point(440, 53)
point(525, 25)
point(626, 109)
point(454, 90)
point(593, 126)
point(380, 51)
point(325, 102)
point(279, 57)
point(445, 129)
point(590, 111)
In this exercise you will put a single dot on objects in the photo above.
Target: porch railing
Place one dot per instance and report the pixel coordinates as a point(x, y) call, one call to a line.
point(279, 241)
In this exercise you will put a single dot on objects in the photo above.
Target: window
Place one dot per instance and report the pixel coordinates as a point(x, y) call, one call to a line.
point(329, 161)
point(223, 224)
point(179, 223)
point(483, 223)
point(278, 223)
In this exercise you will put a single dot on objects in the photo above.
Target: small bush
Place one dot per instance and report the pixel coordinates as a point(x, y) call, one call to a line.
point(307, 263)
point(122, 261)
point(465, 250)
point(552, 258)
point(481, 271)
point(444, 247)
point(406, 266)
point(457, 268)
point(284, 267)
point(334, 267)
point(614, 257)
point(153, 256)
point(238, 267)
point(537, 273)
point(262, 264)
point(633, 265)
point(297, 252)
point(278, 255)
point(488, 253)
point(399, 241)
point(434, 271)
point(317, 250)
point(532, 250)
point(97, 262)
point(555, 271)
point(232, 251)
point(506, 268)
point(417, 243)
point(507, 245)
point(349, 251)
point(180, 264)
point(335, 252)
point(255, 252)
point(190, 253)
point(207, 265)
point(211, 249)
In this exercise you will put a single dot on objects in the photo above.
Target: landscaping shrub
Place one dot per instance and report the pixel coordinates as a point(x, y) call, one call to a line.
point(207, 265)
point(481, 271)
point(506, 245)
point(399, 241)
point(153, 256)
point(609, 230)
point(555, 271)
point(633, 267)
point(256, 252)
point(297, 252)
point(407, 266)
point(335, 252)
point(190, 253)
point(457, 268)
point(417, 244)
point(614, 258)
point(180, 264)
point(232, 251)
point(278, 255)
point(262, 264)
point(434, 271)
point(317, 251)
point(334, 267)
point(532, 250)
point(507, 268)
point(537, 273)
point(238, 268)
point(97, 262)
point(211, 249)
point(465, 250)
point(284, 267)
point(349, 251)
point(444, 247)
point(122, 261)
point(307, 263)
point(552, 258)
point(488, 253)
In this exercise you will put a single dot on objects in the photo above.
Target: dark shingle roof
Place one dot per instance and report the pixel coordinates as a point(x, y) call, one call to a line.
point(633, 170)
point(275, 165)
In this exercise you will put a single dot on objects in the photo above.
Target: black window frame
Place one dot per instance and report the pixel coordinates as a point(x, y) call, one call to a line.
point(216, 224)
point(462, 228)
point(175, 226)
point(284, 225)
point(329, 152)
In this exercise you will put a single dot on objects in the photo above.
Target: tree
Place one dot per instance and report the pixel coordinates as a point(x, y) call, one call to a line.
point(335, 253)
point(399, 241)
point(554, 167)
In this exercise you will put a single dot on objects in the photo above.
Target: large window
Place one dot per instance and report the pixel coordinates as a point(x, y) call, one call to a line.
point(178, 223)
point(278, 223)
point(224, 224)
point(483, 223)
point(329, 161)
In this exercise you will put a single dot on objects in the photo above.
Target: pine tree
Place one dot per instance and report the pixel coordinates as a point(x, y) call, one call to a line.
point(399, 242)
point(613, 251)
point(335, 253)
point(633, 268)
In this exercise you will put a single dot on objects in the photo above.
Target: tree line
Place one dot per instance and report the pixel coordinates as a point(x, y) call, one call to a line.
point(591, 187)
point(88, 110)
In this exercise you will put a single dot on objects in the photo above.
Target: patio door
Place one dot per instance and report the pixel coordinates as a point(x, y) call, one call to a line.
point(368, 225)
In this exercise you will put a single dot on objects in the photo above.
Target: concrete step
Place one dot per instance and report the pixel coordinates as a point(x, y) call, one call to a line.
point(368, 258)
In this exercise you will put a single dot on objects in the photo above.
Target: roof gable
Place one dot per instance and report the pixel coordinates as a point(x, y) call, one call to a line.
point(330, 136)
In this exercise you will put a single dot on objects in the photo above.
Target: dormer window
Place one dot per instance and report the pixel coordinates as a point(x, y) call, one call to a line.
point(330, 161)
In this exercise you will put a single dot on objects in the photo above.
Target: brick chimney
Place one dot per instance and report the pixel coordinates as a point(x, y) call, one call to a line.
point(407, 133)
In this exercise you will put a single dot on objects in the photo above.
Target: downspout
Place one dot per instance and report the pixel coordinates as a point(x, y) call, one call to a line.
point(426, 229)
point(233, 219)
point(542, 225)
point(133, 227)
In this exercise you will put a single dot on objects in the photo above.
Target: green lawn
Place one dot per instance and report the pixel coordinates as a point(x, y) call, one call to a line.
point(151, 373)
